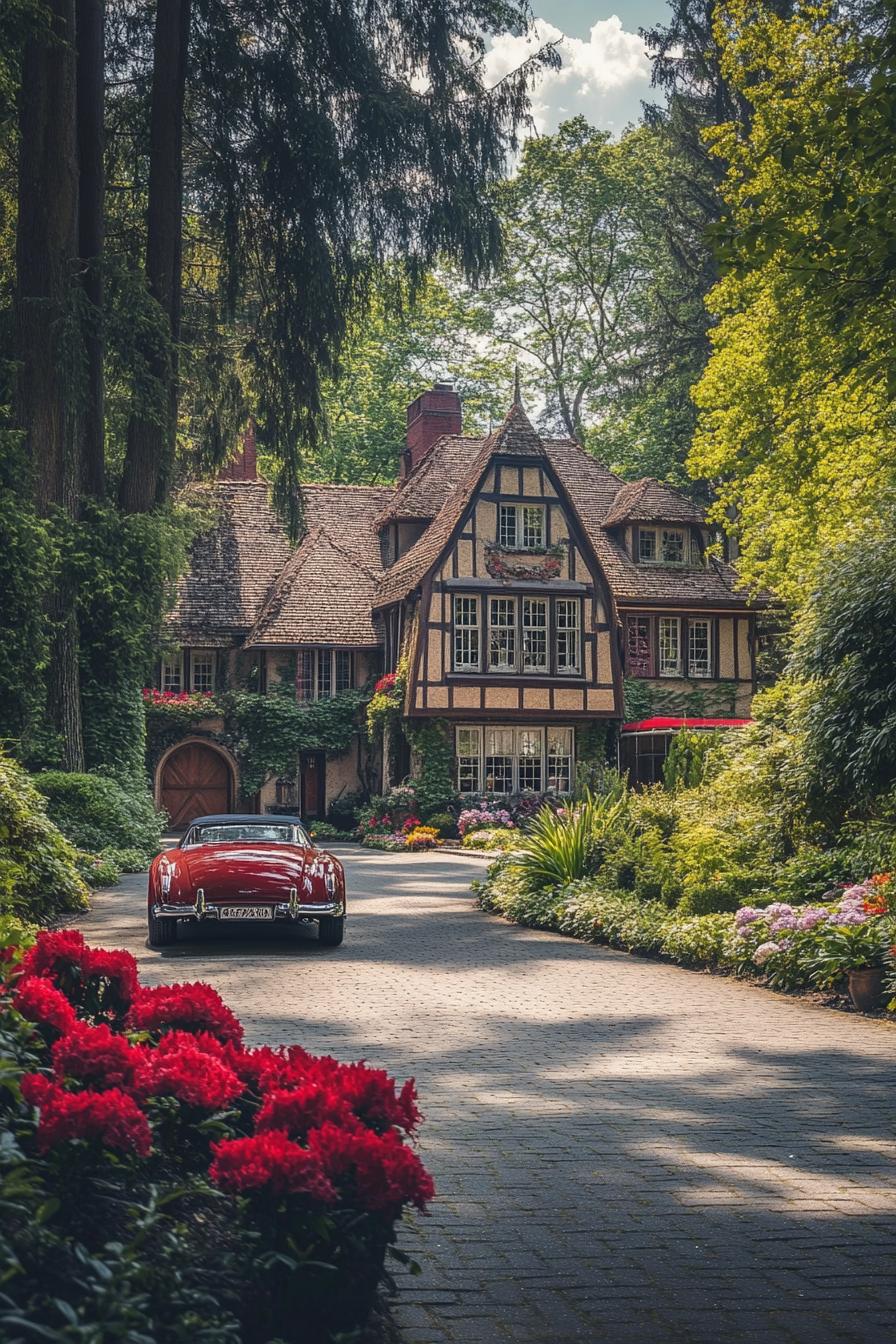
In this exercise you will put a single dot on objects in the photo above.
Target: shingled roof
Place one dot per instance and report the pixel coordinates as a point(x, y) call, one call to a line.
point(514, 437)
point(324, 596)
point(424, 492)
point(653, 501)
point(595, 493)
point(236, 564)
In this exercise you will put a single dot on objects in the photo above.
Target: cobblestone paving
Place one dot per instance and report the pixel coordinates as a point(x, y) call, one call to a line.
point(624, 1151)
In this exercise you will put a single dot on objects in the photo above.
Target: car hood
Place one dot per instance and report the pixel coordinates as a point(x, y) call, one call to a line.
point(245, 868)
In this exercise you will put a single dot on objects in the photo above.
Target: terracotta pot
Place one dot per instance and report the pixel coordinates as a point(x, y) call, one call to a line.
point(866, 988)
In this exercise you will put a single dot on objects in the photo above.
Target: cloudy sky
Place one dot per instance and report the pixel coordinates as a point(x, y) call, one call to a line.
point(605, 72)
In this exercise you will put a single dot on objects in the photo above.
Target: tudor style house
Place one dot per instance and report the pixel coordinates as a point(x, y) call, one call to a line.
point(516, 579)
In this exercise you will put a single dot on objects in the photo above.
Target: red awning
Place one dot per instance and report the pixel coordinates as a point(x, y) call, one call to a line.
point(672, 725)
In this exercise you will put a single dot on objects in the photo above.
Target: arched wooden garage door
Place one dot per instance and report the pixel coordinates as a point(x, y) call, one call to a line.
point(195, 782)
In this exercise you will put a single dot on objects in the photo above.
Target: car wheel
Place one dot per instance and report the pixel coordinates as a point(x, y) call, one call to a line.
point(162, 932)
point(331, 930)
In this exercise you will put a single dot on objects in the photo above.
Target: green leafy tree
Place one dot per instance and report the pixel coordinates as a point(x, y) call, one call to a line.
point(796, 417)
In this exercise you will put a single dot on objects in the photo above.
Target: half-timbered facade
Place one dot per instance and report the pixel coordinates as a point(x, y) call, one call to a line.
point(514, 578)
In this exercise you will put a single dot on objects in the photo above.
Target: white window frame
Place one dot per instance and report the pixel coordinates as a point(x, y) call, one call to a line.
point(507, 630)
point(171, 676)
point(208, 656)
point(562, 633)
point(521, 536)
point(535, 633)
point(476, 748)
point(466, 643)
point(559, 756)
point(322, 683)
point(669, 665)
point(703, 672)
point(668, 533)
point(468, 749)
point(643, 534)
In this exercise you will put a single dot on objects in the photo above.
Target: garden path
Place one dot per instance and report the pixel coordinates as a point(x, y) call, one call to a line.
point(624, 1150)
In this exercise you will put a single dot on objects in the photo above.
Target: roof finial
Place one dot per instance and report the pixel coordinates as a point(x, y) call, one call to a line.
point(517, 399)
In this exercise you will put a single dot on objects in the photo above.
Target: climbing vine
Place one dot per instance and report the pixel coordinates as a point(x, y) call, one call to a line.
point(266, 733)
point(432, 746)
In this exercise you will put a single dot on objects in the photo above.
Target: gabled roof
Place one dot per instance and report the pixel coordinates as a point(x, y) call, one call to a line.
point(324, 596)
point(651, 501)
point(423, 493)
point(236, 564)
point(515, 437)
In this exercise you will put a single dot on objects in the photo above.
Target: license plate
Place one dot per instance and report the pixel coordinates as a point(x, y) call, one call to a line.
point(245, 912)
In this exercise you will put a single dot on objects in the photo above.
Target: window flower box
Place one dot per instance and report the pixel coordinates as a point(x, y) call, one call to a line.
point(504, 562)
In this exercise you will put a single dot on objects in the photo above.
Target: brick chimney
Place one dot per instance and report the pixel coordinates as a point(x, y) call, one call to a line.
point(243, 466)
point(433, 414)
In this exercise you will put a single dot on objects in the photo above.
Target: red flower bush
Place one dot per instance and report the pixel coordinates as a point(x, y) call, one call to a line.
point(297, 1110)
point(111, 1118)
point(57, 954)
point(271, 1163)
point(190, 1074)
point(369, 1094)
point(42, 1003)
point(96, 1056)
point(385, 684)
point(374, 1172)
point(118, 970)
point(189, 1007)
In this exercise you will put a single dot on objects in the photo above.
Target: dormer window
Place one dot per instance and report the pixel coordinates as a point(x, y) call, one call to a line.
point(662, 546)
point(521, 527)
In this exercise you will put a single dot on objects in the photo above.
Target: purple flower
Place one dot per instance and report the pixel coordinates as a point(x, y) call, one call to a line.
point(778, 908)
point(811, 917)
point(851, 915)
point(857, 893)
point(746, 915)
point(788, 921)
point(764, 951)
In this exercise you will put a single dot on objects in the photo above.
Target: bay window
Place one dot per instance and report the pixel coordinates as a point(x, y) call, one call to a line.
point(507, 760)
point(535, 636)
point(323, 673)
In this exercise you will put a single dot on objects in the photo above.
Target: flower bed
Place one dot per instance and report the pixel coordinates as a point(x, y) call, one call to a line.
point(412, 836)
point(788, 946)
point(138, 1132)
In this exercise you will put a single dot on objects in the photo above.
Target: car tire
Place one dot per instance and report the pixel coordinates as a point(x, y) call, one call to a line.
point(331, 930)
point(162, 932)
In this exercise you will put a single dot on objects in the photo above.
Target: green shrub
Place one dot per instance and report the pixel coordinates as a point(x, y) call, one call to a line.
point(39, 879)
point(685, 765)
point(322, 830)
point(445, 823)
point(559, 847)
point(98, 870)
point(98, 812)
point(127, 860)
point(642, 864)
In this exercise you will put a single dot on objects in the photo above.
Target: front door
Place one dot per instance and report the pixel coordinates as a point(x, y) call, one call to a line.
point(312, 772)
point(195, 783)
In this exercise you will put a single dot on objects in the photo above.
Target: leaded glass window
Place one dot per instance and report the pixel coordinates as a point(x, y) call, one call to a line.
point(466, 634)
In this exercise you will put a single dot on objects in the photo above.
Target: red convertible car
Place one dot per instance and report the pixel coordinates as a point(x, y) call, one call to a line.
point(242, 868)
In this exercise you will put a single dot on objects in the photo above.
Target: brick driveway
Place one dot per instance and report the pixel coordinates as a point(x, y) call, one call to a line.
point(624, 1150)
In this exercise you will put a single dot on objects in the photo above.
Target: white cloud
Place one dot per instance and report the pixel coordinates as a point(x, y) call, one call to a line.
point(604, 77)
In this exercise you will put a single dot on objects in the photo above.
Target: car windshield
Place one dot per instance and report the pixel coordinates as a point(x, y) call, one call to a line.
point(242, 831)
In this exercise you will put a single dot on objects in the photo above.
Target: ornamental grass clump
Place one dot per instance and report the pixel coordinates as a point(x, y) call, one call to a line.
point(561, 845)
point(139, 1130)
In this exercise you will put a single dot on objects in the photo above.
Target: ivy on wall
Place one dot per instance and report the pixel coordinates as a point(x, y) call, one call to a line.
point(266, 733)
point(431, 742)
point(643, 699)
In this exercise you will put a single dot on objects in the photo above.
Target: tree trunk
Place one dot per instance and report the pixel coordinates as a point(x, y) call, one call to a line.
point(46, 251)
point(149, 459)
point(91, 56)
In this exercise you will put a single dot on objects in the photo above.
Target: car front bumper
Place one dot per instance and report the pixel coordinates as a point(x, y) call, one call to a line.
point(291, 909)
